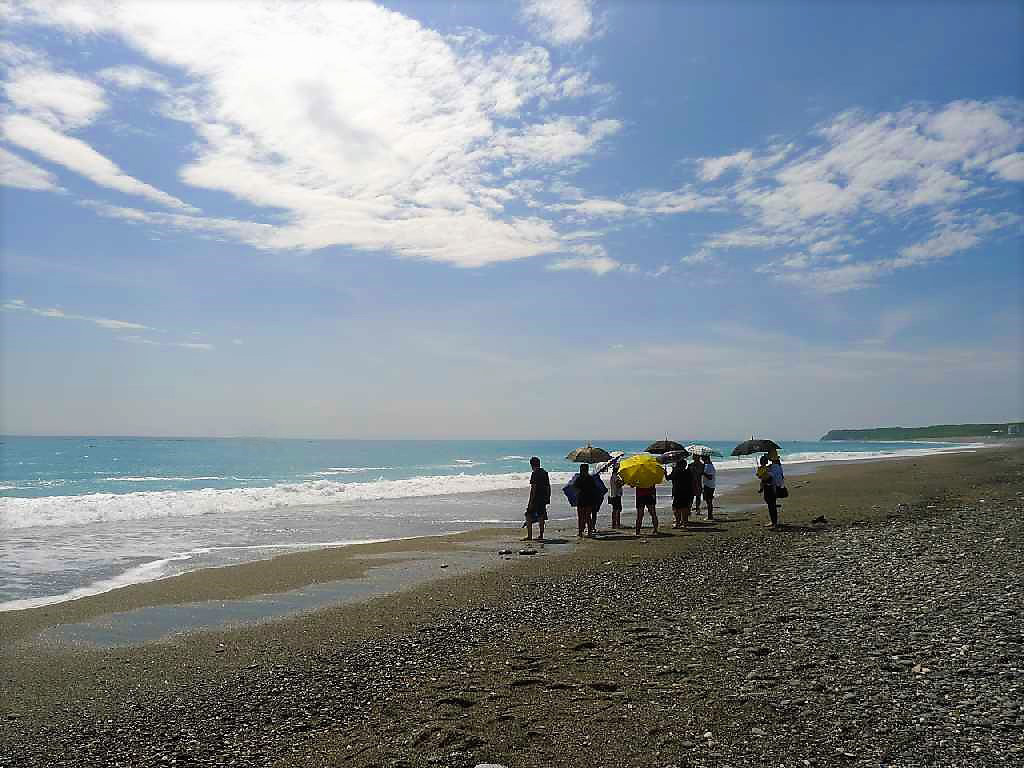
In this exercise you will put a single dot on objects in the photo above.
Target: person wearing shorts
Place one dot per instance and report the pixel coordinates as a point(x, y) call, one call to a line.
point(708, 476)
point(646, 499)
point(587, 498)
point(682, 493)
point(697, 474)
point(615, 496)
point(540, 497)
point(767, 490)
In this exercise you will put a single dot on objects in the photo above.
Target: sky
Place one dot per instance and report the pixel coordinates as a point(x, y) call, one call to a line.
point(543, 219)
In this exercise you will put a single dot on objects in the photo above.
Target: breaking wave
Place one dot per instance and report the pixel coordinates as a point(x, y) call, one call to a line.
point(141, 505)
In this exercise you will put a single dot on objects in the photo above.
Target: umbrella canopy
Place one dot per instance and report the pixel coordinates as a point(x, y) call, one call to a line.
point(671, 457)
point(748, 447)
point(641, 471)
point(664, 446)
point(702, 450)
point(588, 454)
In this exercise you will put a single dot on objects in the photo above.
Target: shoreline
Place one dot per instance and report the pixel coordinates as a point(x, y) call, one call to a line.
point(498, 666)
point(799, 467)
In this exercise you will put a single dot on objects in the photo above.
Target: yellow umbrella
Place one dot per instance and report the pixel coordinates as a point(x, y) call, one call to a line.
point(641, 471)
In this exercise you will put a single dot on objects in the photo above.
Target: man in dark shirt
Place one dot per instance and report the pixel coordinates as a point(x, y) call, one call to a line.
point(682, 493)
point(540, 497)
point(588, 496)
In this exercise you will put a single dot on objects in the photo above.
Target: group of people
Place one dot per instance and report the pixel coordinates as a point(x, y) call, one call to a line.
point(692, 483)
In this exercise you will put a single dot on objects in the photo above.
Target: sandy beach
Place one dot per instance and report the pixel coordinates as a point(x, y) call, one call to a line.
point(888, 634)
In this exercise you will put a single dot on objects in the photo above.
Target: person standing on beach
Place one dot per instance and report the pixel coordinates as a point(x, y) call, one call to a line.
point(540, 497)
point(646, 498)
point(682, 493)
point(697, 476)
point(587, 498)
point(708, 478)
point(767, 490)
point(615, 496)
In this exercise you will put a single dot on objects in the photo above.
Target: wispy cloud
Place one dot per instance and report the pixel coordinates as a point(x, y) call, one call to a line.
point(424, 152)
point(15, 171)
point(700, 256)
point(596, 261)
point(46, 107)
point(823, 198)
point(75, 155)
point(134, 78)
point(19, 305)
point(560, 22)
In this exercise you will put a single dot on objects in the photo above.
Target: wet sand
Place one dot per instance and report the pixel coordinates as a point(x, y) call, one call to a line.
point(76, 699)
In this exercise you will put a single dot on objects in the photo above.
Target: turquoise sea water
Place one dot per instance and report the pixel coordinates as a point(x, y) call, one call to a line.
point(83, 515)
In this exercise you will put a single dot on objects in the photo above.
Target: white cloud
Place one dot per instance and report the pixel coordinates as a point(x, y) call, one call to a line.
point(19, 305)
point(58, 99)
point(193, 345)
point(861, 173)
point(1010, 167)
point(555, 142)
point(74, 154)
point(831, 273)
point(352, 125)
point(599, 265)
point(119, 325)
point(596, 208)
point(713, 167)
point(560, 21)
point(132, 78)
point(887, 164)
point(701, 256)
point(677, 201)
point(18, 172)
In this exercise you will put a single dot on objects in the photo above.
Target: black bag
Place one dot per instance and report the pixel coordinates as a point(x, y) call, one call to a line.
point(782, 493)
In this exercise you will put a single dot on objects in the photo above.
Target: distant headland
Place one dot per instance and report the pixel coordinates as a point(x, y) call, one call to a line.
point(936, 431)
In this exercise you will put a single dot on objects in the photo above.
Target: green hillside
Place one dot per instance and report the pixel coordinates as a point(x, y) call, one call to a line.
point(937, 431)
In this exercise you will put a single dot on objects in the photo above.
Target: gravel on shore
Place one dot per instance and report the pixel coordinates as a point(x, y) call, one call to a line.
point(894, 638)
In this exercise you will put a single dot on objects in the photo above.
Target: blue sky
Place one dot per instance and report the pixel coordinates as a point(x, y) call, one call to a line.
point(555, 218)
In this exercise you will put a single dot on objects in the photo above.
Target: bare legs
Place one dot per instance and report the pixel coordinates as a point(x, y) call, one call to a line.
point(584, 516)
point(640, 517)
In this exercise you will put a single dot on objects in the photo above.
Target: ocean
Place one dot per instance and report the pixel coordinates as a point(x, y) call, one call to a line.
point(83, 515)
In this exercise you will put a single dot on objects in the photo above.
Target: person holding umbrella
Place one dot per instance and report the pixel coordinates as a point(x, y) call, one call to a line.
point(697, 478)
point(767, 490)
point(708, 477)
point(643, 472)
point(682, 492)
point(588, 496)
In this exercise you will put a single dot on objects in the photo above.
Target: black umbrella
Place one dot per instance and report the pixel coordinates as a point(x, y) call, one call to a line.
point(664, 446)
point(748, 447)
point(588, 454)
point(671, 457)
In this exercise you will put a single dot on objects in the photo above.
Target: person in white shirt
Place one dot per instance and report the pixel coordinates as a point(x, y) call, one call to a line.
point(709, 486)
point(615, 496)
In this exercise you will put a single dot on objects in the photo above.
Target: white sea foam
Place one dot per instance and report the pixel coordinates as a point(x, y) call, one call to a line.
point(346, 471)
point(809, 457)
point(512, 458)
point(146, 572)
point(162, 568)
point(140, 505)
point(160, 479)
